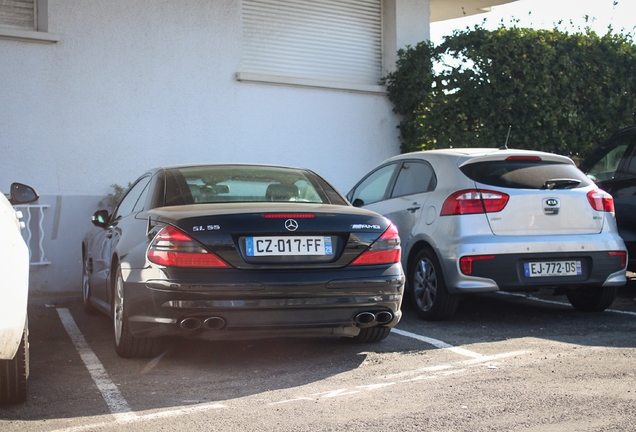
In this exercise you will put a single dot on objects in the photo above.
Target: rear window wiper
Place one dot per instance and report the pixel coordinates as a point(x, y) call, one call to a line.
point(564, 183)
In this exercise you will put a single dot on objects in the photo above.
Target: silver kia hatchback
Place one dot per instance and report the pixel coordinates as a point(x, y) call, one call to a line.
point(476, 220)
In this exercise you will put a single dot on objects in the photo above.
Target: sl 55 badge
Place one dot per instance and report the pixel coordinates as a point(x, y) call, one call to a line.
point(206, 227)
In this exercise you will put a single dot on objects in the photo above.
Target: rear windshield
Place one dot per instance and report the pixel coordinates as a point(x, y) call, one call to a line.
point(246, 183)
point(526, 174)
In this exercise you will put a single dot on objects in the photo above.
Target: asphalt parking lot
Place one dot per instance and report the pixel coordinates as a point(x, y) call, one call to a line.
point(504, 362)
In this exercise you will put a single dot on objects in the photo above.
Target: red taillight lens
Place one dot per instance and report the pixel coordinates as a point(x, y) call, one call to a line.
point(174, 248)
point(622, 254)
point(385, 250)
point(471, 201)
point(289, 215)
point(601, 200)
point(466, 263)
point(524, 158)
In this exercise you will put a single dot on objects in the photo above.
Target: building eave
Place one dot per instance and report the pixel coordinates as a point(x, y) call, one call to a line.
point(442, 10)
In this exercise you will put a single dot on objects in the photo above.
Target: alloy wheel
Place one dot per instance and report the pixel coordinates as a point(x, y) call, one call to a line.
point(425, 284)
point(118, 308)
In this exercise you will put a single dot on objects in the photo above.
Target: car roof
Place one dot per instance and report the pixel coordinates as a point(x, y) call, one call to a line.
point(466, 154)
point(238, 164)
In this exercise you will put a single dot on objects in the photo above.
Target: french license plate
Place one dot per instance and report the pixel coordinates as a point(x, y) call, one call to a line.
point(288, 246)
point(552, 268)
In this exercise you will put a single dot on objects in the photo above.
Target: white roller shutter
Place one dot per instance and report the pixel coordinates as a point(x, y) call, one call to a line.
point(19, 14)
point(333, 40)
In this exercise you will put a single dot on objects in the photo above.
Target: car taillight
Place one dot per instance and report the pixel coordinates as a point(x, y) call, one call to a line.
point(172, 247)
point(385, 250)
point(601, 200)
point(622, 255)
point(524, 158)
point(471, 201)
point(466, 263)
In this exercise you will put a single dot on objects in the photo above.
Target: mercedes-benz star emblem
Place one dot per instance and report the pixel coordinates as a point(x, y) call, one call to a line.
point(291, 225)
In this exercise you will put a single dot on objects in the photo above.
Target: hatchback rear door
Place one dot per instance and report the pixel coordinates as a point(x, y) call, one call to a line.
point(546, 197)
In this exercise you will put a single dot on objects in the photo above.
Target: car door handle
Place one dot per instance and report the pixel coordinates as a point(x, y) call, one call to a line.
point(415, 207)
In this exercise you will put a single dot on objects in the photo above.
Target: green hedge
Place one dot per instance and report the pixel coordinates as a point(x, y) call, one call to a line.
point(559, 92)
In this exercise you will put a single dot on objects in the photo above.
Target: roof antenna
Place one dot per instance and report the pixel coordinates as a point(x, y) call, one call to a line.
point(505, 146)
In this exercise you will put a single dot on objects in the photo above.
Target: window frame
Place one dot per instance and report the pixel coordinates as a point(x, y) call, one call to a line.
point(39, 33)
point(249, 75)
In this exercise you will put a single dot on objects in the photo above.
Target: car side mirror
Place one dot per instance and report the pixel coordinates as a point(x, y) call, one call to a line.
point(100, 218)
point(22, 194)
point(357, 202)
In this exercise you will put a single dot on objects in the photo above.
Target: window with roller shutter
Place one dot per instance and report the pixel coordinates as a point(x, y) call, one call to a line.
point(331, 43)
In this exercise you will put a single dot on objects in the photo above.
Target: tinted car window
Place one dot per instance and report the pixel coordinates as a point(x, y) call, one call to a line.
point(604, 165)
point(414, 178)
point(244, 183)
point(373, 188)
point(127, 204)
point(526, 174)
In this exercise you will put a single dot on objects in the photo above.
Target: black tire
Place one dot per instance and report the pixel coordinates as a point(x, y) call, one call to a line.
point(127, 345)
point(592, 299)
point(427, 288)
point(86, 288)
point(14, 373)
point(371, 335)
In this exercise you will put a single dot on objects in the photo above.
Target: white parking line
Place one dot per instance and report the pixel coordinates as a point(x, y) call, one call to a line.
point(111, 394)
point(537, 299)
point(146, 417)
point(437, 343)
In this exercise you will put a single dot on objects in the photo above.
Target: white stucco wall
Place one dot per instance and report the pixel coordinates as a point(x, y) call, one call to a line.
point(136, 84)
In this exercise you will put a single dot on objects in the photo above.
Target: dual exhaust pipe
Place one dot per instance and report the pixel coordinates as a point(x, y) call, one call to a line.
point(362, 319)
point(370, 319)
point(195, 323)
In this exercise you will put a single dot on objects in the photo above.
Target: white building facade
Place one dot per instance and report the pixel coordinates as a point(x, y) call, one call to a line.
point(93, 93)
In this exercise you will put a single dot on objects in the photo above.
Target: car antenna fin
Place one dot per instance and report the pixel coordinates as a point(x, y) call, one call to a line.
point(505, 146)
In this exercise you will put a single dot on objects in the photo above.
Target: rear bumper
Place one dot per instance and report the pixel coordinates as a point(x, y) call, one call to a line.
point(248, 305)
point(505, 271)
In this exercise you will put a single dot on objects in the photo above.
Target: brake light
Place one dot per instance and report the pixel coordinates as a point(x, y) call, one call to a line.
point(385, 250)
point(466, 263)
point(524, 158)
point(622, 254)
point(289, 215)
point(172, 247)
point(601, 200)
point(472, 201)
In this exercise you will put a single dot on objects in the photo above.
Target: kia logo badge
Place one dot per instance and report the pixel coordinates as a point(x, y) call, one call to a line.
point(291, 225)
point(551, 206)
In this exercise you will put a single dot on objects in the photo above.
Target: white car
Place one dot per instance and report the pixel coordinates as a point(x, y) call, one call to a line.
point(484, 220)
point(14, 290)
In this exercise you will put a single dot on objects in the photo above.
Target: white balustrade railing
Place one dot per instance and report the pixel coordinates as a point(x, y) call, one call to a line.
point(33, 232)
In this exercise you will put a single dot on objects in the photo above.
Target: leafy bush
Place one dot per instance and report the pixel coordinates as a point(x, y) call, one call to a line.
point(113, 198)
point(559, 92)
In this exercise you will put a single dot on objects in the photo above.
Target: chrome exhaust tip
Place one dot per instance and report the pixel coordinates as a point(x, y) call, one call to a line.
point(214, 323)
point(190, 323)
point(365, 319)
point(384, 317)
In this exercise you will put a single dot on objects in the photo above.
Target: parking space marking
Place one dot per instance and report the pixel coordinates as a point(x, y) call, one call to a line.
point(437, 343)
point(111, 394)
point(537, 299)
point(146, 417)
point(491, 362)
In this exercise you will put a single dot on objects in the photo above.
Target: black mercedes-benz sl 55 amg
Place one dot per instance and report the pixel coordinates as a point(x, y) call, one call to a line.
point(240, 252)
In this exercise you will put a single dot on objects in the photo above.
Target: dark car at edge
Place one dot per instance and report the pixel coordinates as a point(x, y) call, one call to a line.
point(240, 252)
